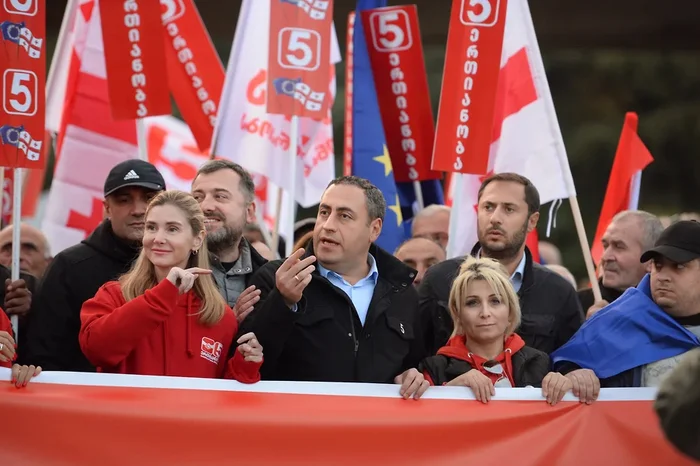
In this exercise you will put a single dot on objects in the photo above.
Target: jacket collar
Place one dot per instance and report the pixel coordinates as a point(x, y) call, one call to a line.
point(528, 279)
point(390, 268)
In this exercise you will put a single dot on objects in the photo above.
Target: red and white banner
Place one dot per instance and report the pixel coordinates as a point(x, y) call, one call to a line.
point(396, 54)
point(299, 53)
point(195, 73)
point(136, 68)
point(167, 420)
point(173, 150)
point(23, 69)
point(247, 134)
point(525, 138)
point(469, 85)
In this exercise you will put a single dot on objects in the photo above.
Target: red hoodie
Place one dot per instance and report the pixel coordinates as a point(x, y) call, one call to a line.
point(159, 333)
point(5, 326)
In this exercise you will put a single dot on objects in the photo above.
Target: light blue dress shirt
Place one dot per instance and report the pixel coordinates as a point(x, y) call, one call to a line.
point(360, 293)
point(517, 278)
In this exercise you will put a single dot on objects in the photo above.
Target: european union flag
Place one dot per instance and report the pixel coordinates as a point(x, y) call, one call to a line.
point(370, 157)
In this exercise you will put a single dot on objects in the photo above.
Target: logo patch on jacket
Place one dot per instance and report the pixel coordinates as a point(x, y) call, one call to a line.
point(211, 350)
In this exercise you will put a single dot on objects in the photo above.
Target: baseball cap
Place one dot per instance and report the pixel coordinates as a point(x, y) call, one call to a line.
point(134, 172)
point(680, 243)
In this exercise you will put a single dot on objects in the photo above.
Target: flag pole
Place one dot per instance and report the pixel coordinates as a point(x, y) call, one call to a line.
point(141, 139)
point(419, 195)
point(275, 241)
point(458, 179)
point(583, 240)
point(293, 146)
point(16, 239)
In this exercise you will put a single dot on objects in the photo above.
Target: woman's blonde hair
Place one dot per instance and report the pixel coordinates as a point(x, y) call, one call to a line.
point(493, 273)
point(142, 275)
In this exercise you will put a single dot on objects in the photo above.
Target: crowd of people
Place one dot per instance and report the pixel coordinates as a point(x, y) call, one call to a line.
point(183, 284)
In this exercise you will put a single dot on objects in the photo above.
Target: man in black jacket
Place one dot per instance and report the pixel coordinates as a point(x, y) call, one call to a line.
point(507, 212)
point(351, 317)
point(76, 273)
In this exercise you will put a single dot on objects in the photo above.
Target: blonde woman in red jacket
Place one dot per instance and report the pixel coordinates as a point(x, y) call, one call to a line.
point(166, 315)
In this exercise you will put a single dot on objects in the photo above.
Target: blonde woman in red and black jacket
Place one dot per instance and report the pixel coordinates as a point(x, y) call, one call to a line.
point(166, 315)
point(484, 351)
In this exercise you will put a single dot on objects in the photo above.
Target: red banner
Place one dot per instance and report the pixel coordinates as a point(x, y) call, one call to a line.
point(470, 78)
point(195, 73)
point(396, 54)
point(136, 67)
point(23, 67)
point(190, 426)
point(349, 64)
point(299, 53)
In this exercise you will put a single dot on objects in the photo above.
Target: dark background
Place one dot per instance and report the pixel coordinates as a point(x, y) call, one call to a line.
point(603, 58)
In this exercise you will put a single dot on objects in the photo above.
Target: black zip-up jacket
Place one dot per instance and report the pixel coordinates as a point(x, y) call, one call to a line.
point(73, 277)
point(530, 367)
point(551, 311)
point(324, 339)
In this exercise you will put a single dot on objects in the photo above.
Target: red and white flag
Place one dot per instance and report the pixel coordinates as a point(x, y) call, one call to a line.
point(526, 138)
point(622, 193)
point(248, 135)
point(172, 148)
point(91, 142)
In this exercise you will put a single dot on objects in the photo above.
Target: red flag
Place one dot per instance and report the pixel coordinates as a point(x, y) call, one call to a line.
point(300, 46)
point(631, 157)
point(23, 70)
point(469, 86)
point(396, 55)
point(195, 73)
point(136, 67)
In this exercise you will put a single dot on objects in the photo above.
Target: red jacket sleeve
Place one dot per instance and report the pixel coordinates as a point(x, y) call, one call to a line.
point(111, 329)
point(5, 326)
point(237, 368)
point(427, 377)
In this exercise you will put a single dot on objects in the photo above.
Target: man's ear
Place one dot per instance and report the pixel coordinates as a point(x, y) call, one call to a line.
point(532, 222)
point(375, 229)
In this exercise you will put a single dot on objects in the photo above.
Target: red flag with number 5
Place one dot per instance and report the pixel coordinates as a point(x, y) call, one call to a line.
point(23, 69)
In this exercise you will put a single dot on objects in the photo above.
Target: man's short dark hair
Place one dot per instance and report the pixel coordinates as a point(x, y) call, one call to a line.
point(376, 204)
point(246, 185)
point(532, 196)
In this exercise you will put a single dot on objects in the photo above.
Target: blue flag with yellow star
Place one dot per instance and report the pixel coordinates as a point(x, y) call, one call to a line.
point(370, 157)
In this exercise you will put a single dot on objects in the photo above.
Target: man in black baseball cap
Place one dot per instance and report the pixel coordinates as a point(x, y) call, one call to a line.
point(134, 172)
point(679, 243)
point(638, 339)
point(76, 273)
